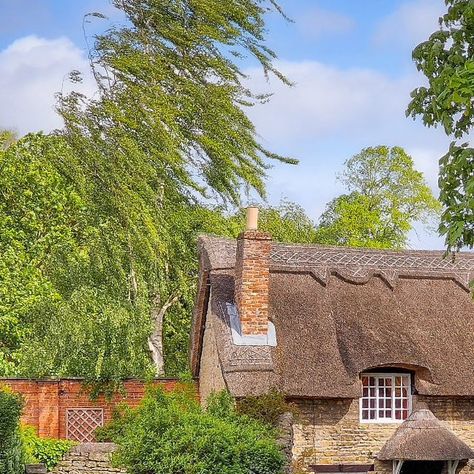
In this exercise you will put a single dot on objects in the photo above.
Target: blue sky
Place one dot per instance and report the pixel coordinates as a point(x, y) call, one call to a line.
point(350, 61)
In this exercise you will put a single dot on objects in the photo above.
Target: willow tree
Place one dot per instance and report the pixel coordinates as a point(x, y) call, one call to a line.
point(166, 130)
point(447, 61)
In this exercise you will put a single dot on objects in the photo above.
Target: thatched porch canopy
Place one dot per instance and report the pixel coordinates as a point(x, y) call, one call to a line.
point(423, 438)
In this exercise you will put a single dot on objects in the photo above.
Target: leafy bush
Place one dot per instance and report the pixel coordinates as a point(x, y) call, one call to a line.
point(11, 450)
point(170, 432)
point(266, 408)
point(121, 416)
point(47, 451)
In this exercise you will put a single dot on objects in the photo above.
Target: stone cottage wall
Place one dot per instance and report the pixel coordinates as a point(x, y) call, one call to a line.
point(89, 458)
point(329, 432)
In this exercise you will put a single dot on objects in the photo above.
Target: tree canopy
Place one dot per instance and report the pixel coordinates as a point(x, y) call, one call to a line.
point(447, 61)
point(387, 195)
point(166, 134)
point(63, 309)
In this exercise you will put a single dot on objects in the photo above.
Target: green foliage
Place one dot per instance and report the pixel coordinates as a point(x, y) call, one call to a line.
point(286, 222)
point(266, 408)
point(166, 131)
point(446, 59)
point(64, 306)
point(37, 215)
point(11, 450)
point(47, 451)
point(171, 97)
point(76, 292)
point(122, 415)
point(387, 195)
point(171, 432)
point(7, 138)
point(88, 335)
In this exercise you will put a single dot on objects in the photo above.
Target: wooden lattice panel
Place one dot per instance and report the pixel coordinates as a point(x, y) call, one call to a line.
point(82, 422)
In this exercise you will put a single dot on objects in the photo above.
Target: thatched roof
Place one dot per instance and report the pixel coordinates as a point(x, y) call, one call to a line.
point(339, 312)
point(423, 438)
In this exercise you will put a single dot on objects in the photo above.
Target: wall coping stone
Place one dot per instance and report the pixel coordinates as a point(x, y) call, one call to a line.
point(35, 469)
point(87, 448)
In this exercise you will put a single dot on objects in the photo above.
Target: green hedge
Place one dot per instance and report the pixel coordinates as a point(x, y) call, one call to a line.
point(47, 451)
point(11, 449)
point(171, 432)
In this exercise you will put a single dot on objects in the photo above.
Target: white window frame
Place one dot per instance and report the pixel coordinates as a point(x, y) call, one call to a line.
point(377, 419)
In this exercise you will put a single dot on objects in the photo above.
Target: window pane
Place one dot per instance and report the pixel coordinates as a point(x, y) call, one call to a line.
point(385, 398)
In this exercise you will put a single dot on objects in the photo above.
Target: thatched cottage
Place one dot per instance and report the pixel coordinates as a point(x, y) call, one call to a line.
point(375, 347)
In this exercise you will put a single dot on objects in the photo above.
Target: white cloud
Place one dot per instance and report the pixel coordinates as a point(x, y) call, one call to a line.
point(331, 114)
point(319, 22)
point(411, 23)
point(327, 100)
point(32, 70)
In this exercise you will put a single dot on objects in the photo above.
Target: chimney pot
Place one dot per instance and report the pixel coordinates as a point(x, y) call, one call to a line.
point(252, 218)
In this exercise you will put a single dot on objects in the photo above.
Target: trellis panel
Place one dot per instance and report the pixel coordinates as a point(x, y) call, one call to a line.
point(81, 423)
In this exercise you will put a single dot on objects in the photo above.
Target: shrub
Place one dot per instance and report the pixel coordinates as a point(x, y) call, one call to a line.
point(266, 408)
point(47, 451)
point(121, 416)
point(170, 432)
point(11, 450)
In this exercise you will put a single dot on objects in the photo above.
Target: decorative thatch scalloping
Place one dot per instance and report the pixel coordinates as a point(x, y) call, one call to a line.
point(353, 263)
point(357, 310)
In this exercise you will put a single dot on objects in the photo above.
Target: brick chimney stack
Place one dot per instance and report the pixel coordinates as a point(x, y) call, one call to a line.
point(252, 277)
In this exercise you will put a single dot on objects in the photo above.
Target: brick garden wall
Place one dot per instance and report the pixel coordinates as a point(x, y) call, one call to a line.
point(329, 432)
point(47, 401)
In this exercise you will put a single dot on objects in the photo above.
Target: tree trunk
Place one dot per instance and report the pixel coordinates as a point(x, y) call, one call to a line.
point(155, 341)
